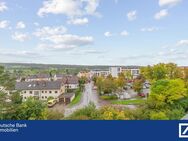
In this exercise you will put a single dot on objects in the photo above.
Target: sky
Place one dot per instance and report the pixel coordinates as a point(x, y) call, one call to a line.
point(94, 32)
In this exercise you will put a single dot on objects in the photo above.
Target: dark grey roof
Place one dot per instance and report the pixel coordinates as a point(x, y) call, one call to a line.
point(70, 79)
point(67, 95)
point(99, 70)
point(40, 85)
point(38, 76)
point(131, 67)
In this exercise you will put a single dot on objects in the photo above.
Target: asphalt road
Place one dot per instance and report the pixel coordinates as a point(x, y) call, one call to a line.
point(89, 95)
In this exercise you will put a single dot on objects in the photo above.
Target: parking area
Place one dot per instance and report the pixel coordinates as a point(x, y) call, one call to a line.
point(60, 107)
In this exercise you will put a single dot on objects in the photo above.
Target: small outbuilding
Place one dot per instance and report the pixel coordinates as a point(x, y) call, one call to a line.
point(66, 98)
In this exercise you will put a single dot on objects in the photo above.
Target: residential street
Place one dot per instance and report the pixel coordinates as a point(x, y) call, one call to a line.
point(89, 95)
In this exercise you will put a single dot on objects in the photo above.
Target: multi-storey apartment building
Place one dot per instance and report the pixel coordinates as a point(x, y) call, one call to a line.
point(41, 90)
point(134, 70)
point(115, 71)
point(98, 73)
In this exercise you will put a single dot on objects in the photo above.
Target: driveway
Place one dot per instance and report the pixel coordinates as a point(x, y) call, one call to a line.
point(89, 95)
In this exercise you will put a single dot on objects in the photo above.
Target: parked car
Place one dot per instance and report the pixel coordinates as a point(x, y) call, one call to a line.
point(94, 88)
point(125, 87)
point(141, 95)
point(52, 102)
point(129, 85)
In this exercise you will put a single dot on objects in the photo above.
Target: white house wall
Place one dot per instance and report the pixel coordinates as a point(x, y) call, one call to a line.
point(43, 94)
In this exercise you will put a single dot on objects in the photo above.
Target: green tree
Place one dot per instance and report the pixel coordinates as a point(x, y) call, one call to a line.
point(32, 109)
point(100, 85)
point(16, 98)
point(6, 80)
point(147, 72)
point(121, 82)
point(110, 85)
point(159, 71)
point(185, 73)
point(128, 75)
point(6, 108)
point(173, 71)
point(138, 85)
point(2, 69)
point(82, 82)
point(165, 92)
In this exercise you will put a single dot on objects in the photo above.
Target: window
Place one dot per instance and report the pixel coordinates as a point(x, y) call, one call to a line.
point(25, 97)
point(50, 92)
point(24, 91)
point(42, 97)
point(46, 97)
point(30, 92)
point(45, 91)
point(42, 91)
point(56, 92)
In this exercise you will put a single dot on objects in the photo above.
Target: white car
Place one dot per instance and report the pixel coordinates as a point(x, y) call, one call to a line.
point(52, 102)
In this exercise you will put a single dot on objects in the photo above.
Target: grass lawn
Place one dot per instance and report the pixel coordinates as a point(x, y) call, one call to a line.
point(76, 100)
point(105, 97)
point(128, 102)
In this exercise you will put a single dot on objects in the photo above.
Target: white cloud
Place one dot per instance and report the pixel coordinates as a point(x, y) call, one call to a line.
point(60, 39)
point(91, 7)
point(20, 36)
point(78, 21)
point(132, 15)
point(20, 25)
point(3, 6)
point(47, 31)
point(36, 24)
point(161, 14)
point(124, 33)
point(54, 47)
point(108, 34)
point(182, 43)
point(67, 7)
point(4, 24)
point(169, 2)
point(70, 8)
point(149, 29)
point(69, 39)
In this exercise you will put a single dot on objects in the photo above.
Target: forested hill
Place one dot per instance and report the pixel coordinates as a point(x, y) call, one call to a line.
point(46, 66)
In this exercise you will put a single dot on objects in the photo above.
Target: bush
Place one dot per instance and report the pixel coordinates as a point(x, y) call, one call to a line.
point(158, 116)
point(90, 112)
point(183, 103)
point(175, 114)
point(54, 115)
point(110, 113)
